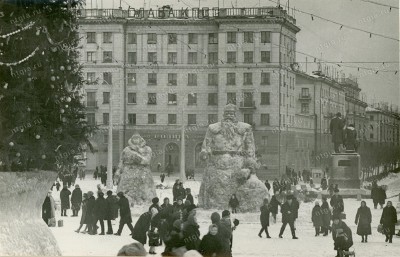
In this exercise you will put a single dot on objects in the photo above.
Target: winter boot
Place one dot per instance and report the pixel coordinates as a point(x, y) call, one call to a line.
point(362, 240)
point(390, 238)
point(366, 239)
point(387, 238)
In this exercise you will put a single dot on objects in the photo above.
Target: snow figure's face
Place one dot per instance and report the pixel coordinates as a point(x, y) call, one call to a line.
point(213, 231)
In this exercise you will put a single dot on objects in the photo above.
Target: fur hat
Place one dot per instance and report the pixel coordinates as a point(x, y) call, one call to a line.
point(134, 249)
point(90, 193)
point(76, 186)
point(335, 216)
point(155, 200)
point(225, 213)
point(120, 194)
point(177, 224)
point(109, 193)
point(215, 217)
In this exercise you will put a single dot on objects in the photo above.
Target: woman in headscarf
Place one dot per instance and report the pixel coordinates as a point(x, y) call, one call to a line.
point(389, 220)
point(48, 210)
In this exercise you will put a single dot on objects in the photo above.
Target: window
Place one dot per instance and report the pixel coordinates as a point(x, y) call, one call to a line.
point(172, 38)
point(305, 92)
point(91, 120)
point(105, 138)
point(265, 56)
point(107, 37)
point(265, 37)
point(192, 79)
point(248, 118)
point(172, 58)
point(152, 57)
point(107, 57)
point(248, 37)
point(231, 98)
point(248, 57)
point(265, 98)
point(131, 98)
point(131, 79)
point(247, 78)
point(106, 97)
point(231, 37)
point(152, 98)
point(91, 56)
point(192, 58)
point(248, 99)
point(231, 57)
point(131, 38)
point(192, 38)
point(152, 79)
point(91, 77)
point(151, 118)
point(91, 99)
point(107, 78)
point(172, 79)
point(106, 118)
point(151, 38)
point(192, 99)
point(265, 78)
point(213, 38)
point(172, 98)
point(132, 57)
point(231, 79)
point(212, 118)
point(212, 98)
point(371, 136)
point(131, 118)
point(191, 119)
point(304, 108)
point(265, 119)
point(212, 58)
point(171, 119)
point(91, 37)
point(371, 117)
point(212, 79)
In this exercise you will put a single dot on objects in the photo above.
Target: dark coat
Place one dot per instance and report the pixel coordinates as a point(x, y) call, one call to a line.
point(324, 184)
point(375, 194)
point(350, 138)
point(274, 204)
point(233, 202)
point(268, 185)
point(190, 198)
point(336, 129)
point(64, 197)
point(225, 235)
point(84, 212)
point(288, 212)
point(326, 214)
point(191, 235)
point(264, 216)
point(337, 204)
point(180, 193)
point(209, 245)
point(363, 219)
point(389, 220)
point(101, 208)
point(112, 208)
point(90, 211)
point(141, 227)
point(316, 216)
point(175, 191)
point(296, 208)
point(174, 240)
point(381, 195)
point(124, 210)
point(342, 236)
point(76, 196)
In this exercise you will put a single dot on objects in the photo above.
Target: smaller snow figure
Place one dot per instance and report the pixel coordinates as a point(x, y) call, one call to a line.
point(233, 203)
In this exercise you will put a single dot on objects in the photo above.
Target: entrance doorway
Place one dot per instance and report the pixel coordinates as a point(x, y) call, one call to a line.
point(172, 156)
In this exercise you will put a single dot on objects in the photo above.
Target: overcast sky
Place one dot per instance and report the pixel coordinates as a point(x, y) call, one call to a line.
point(317, 36)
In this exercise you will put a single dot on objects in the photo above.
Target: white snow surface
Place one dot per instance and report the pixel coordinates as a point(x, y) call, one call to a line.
point(245, 239)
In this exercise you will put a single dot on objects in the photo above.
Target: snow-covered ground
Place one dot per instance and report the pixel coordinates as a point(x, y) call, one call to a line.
point(245, 239)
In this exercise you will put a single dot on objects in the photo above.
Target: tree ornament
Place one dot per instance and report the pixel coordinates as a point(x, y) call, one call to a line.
point(62, 111)
point(37, 136)
point(64, 120)
point(28, 109)
point(52, 70)
point(18, 154)
point(52, 86)
point(54, 49)
point(53, 78)
point(68, 99)
point(11, 144)
point(58, 77)
point(62, 68)
point(43, 156)
point(22, 130)
point(29, 79)
point(69, 67)
point(66, 106)
point(5, 86)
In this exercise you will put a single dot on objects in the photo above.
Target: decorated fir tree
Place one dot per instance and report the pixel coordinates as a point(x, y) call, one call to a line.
point(42, 117)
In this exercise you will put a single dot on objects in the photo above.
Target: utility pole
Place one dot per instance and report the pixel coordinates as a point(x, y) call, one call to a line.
point(182, 154)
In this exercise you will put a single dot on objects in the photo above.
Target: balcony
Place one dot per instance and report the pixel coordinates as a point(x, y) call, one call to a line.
point(305, 97)
point(247, 105)
point(91, 105)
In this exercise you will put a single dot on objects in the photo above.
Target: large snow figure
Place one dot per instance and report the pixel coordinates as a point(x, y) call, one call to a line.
point(134, 175)
point(230, 151)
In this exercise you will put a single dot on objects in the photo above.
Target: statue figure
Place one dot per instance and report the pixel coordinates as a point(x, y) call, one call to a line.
point(350, 139)
point(336, 129)
point(133, 175)
point(229, 150)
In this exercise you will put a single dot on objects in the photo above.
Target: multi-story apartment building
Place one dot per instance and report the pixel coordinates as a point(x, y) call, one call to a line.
point(158, 70)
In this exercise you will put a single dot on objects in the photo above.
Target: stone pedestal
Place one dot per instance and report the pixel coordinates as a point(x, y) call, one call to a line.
point(345, 170)
point(22, 229)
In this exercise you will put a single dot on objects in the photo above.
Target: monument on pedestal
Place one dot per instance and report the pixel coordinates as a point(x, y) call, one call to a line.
point(229, 150)
point(134, 176)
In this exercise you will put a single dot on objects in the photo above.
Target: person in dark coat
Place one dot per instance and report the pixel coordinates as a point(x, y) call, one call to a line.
point(337, 203)
point(169, 169)
point(267, 185)
point(342, 236)
point(350, 138)
point(191, 233)
point(166, 203)
point(162, 177)
point(175, 239)
point(288, 210)
point(58, 186)
point(233, 203)
point(326, 216)
point(381, 196)
point(125, 213)
point(324, 183)
point(273, 206)
point(141, 227)
point(76, 200)
point(84, 211)
point(275, 185)
point(48, 208)
point(375, 194)
point(96, 173)
point(363, 219)
point(336, 129)
point(100, 210)
point(388, 221)
point(64, 197)
point(189, 195)
point(181, 192)
point(331, 190)
point(225, 233)
point(155, 204)
point(175, 190)
point(90, 213)
point(112, 211)
point(316, 218)
point(264, 218)
point(154, 236)
point(210, 245)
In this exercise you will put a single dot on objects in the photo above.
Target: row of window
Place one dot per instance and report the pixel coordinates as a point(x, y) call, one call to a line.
point(172, 119)
point(248, 37)
point(192, 78)
point(248, 57)
point(247, 98)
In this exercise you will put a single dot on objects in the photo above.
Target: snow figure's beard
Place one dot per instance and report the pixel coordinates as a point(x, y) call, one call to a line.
point(229, 128)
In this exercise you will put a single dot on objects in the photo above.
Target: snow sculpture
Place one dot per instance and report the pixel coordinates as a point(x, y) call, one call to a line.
point(229, 150)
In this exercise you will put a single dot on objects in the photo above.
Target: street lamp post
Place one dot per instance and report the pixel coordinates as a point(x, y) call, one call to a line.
point(110, 145)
